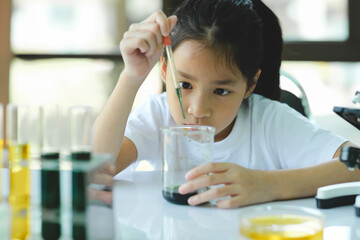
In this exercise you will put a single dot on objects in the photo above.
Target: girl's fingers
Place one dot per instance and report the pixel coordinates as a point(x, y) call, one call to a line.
point(103, 179)
point(147, 36)
point(172, 21)
point(231, 202)
point(153, 28)
point(211, 194)
point(205, 181)
point(207, 168)
point(110, 169)
point(102, 196)
point(137, 41)
point(160, 18)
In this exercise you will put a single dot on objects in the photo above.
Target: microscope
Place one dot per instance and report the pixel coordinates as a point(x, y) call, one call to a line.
point(344, 193)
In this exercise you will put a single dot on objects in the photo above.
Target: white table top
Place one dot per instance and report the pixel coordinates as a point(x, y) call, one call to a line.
point(142, 213)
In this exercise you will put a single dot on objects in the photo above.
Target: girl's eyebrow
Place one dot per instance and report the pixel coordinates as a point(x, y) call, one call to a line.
point(185, 75)
point(216, 82)
point(224, 82)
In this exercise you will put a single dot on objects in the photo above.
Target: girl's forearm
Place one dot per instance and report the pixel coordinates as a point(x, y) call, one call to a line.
point(298, 183)
point(109, 127)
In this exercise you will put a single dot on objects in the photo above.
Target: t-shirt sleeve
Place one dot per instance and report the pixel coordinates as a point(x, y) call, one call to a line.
point(298, 142)
point(143, 129)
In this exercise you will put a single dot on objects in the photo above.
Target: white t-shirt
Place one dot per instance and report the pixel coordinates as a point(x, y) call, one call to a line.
point(267, 135)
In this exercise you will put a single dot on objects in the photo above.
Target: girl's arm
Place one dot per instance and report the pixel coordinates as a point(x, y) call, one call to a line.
point(141, 47)
point(306, 181)
point(245, 186)
point(110, 125)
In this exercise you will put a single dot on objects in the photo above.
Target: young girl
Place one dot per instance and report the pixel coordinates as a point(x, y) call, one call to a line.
point(223, 51)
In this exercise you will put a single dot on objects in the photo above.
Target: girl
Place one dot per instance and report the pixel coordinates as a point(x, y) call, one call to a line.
point(223, 51)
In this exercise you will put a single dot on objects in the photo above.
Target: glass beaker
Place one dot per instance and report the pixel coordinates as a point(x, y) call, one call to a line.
point(184, 148)
point(281, 222)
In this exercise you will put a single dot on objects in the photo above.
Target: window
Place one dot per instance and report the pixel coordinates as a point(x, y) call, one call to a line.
point(322, 30)
point(322, 45)
point(326, 20)
point(67, 51)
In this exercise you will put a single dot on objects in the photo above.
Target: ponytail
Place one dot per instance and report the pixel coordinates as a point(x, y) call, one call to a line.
point(268, 83)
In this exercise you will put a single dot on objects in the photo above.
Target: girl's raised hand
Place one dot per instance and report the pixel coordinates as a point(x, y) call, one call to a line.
point(142, 45)
point(242, 186)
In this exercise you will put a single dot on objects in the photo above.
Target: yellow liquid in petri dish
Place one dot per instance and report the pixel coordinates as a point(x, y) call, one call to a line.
point(283, 227)
point(19, 175)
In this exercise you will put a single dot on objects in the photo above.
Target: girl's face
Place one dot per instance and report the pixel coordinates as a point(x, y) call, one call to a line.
point(212, 94)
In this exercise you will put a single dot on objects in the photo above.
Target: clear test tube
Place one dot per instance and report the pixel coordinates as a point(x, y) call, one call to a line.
point(35, 131)
point(50, 172)
point(81, 120)
point(17, 126)
point(50, 125)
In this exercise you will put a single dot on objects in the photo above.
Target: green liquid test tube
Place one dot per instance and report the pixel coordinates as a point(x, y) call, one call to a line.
point(50, 172)
point(80, 144)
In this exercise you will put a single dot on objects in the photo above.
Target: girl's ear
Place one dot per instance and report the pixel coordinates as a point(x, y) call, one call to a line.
point(163, 68)
point(251, 88)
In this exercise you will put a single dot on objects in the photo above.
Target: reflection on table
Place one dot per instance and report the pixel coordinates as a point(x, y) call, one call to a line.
point(142, 213)
point(33, 221)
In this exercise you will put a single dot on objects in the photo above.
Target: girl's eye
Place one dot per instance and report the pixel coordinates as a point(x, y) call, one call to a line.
point(185, 85)
point(221, 91)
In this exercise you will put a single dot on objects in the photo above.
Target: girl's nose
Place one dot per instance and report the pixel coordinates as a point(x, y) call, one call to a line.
point(199, 106)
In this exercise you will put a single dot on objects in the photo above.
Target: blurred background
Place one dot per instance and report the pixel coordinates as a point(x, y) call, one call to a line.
point(66, 51)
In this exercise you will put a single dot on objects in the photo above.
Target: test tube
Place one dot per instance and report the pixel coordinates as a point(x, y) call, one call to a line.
point(1, 135)
point(35, 132)
point(50, 178)
point(17, 126)
point(50, 125)
point(80, 146)
point(20, 223)
point(1, 145)
point(80, 132)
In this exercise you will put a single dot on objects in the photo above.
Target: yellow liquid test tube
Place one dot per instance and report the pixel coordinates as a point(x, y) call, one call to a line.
point(17, 126)
point(1, 145)
point(19, 175)
point(20, 223)
point(1, 165)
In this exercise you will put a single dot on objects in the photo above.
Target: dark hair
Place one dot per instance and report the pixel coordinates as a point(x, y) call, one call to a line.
point(269, 81)
point(234, 30)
